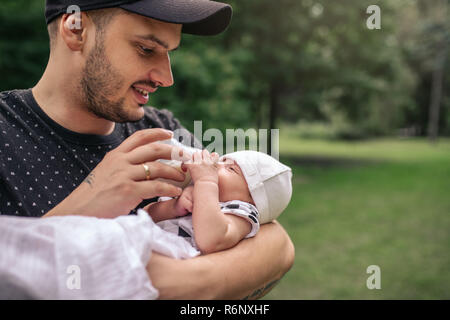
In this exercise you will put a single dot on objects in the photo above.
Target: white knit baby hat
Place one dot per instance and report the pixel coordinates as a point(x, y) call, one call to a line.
point(269, 182)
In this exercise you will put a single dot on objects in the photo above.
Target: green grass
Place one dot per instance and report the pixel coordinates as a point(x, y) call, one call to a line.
point(382, 202)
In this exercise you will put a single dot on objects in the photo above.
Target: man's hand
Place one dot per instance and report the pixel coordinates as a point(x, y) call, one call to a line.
point(121, 181)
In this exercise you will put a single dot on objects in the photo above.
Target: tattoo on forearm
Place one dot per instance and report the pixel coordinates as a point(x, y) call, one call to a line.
point(90, 179)
point(261, 291)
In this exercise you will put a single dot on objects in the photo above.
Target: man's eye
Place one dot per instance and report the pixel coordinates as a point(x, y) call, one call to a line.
point(145, 50)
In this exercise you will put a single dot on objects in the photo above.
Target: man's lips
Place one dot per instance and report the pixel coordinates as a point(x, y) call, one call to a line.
point(145, 89)
point(142, 93)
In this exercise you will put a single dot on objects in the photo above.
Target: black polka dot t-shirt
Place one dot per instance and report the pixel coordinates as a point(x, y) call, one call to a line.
point(41, 162)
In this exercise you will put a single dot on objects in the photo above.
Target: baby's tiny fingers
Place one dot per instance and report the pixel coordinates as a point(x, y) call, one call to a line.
point(215, 157)
point(197, 157)
point(205, 154)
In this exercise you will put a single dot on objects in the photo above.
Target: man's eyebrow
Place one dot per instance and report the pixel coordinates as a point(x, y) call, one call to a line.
point(153, 38)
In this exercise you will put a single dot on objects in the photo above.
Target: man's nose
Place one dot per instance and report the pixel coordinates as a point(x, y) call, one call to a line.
point(161, 72)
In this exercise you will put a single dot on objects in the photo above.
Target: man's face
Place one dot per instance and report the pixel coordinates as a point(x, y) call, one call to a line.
point(126, 65)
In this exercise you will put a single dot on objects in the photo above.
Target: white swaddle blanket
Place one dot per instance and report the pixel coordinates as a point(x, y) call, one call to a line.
point(76, 257)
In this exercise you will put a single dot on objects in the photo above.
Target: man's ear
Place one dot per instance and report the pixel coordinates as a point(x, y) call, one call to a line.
point(73, 30)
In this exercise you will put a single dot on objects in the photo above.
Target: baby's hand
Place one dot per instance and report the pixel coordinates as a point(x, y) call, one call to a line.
point(203, 166)
point(185, 203)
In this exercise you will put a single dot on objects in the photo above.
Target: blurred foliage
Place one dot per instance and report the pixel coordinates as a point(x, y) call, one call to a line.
point(293, 61)
point(327, 64)
point(208, 85)
point(24, 45)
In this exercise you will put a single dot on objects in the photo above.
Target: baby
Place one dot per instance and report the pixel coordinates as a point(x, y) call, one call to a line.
point(229, 197)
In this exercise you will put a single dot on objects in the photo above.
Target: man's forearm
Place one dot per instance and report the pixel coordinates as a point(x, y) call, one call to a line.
point(248, 270)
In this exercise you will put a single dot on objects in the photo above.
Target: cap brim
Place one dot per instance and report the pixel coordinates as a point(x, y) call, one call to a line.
point(200, 17)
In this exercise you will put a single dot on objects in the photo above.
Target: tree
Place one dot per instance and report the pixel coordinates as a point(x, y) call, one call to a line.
point(436, 31)
point(24, 44)
point(314, 59)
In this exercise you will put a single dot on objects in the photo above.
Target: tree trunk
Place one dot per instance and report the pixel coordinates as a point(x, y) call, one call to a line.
point(436, 94)
point(273, 111)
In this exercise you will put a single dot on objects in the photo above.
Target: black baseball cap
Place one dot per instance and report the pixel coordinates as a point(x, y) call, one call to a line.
point(199, 17)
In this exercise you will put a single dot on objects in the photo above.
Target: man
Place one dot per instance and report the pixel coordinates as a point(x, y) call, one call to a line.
point(78, 143)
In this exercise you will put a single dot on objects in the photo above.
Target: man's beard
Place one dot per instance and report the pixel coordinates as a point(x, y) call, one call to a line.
point(99, 82)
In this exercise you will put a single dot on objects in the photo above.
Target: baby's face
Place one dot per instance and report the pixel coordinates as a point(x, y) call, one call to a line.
point(232, 184)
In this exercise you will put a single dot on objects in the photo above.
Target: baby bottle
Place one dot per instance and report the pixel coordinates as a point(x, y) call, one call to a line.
point(176, 161)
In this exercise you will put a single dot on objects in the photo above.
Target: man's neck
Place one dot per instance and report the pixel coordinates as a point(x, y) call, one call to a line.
point(65, 108)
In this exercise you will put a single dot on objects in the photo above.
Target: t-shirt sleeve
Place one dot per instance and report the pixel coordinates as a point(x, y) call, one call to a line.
point(244, 210)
